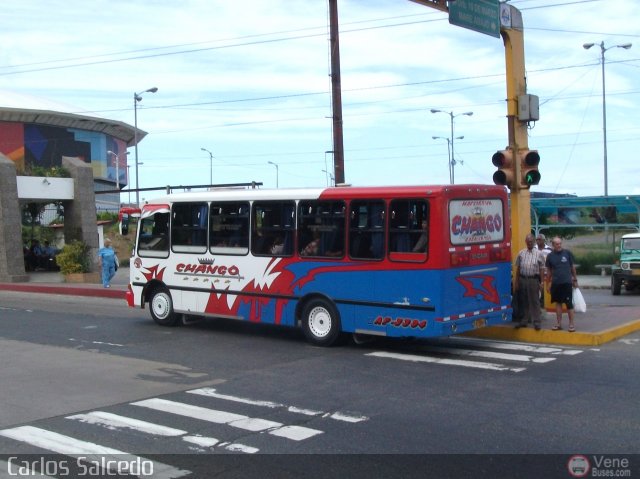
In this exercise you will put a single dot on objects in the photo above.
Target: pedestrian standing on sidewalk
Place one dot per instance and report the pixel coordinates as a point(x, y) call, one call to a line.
point(527, 283)
point(561, 279)
point(107, 260)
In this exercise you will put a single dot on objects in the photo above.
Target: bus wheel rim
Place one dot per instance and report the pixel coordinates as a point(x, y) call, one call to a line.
point(319, 322)
point(160, 305)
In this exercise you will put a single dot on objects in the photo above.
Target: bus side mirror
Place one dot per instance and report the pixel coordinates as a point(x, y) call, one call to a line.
point(617, 250)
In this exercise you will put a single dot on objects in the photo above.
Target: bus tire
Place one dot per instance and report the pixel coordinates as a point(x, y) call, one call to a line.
point(321, 322)
point(161, 307)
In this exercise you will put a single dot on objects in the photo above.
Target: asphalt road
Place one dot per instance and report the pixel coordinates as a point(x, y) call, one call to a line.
point(80, 374)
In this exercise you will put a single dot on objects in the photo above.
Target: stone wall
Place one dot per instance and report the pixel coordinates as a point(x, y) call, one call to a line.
point(11, 254)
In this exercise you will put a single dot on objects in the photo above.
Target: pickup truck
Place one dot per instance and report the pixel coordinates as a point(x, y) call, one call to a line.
point(627, 269)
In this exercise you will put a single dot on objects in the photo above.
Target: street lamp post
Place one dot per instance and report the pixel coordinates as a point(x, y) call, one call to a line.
point(448, 140)
point(210, 165)
point(453, 158)
point(136, 98)
point(586, 46)
point(277, 172)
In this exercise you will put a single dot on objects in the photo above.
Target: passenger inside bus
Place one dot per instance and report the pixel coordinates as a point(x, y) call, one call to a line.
point(421, 244)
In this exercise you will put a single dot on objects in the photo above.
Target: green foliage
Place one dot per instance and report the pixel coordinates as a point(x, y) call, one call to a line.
point(587, 261)
point(74, 258)
point(107, 216)
point(51, 172)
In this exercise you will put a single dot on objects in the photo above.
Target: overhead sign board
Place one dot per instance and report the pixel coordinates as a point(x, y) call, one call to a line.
point(479, 15)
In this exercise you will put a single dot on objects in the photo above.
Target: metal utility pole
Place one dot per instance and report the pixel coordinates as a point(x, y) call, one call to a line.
point(336, 94)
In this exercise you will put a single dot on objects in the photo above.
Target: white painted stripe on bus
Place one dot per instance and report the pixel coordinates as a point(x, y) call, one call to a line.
point(448, 362)
point(338, 416)
point(18, 469)
point(114, 422)
point(52, 441)
point(490, 354)
point(230, 419)
point(521, 347)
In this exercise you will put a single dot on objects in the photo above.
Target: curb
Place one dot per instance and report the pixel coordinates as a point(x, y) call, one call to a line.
point(547, 336)
point(66, 290)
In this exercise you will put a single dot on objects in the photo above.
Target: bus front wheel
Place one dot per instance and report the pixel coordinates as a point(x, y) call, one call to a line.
point(161, 308)
point(320, 322)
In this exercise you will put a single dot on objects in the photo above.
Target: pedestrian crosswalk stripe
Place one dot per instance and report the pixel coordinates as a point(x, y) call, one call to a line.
point(446, 361)
point(231, 419)
point(490, 354)
point(210, 442)
point(61, 444)
point(529, 348)
point(338, 416)
point(115, 421)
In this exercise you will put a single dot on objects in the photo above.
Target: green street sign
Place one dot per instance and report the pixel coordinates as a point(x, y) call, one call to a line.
point(479, 15)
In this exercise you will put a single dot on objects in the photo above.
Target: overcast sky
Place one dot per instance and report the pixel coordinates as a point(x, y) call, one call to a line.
point(249, 81)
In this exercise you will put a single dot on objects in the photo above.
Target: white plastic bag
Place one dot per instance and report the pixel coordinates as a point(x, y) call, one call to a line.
point(579, 304)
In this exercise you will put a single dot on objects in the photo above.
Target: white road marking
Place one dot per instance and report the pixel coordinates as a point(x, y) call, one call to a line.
point(210, 442)
point(230, 419)
point(201, 441)
point(490, 354)
point(70, 446)
point(338, 416)
point(521, 347)
point(449, 362)
point(114, 422)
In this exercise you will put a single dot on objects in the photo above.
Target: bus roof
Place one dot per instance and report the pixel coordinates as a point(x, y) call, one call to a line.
point(332, 193)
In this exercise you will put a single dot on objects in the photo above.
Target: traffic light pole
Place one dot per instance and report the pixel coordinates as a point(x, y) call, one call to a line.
point(513, 39)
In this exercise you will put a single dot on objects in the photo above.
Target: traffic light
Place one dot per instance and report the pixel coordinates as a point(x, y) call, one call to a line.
point(505, 175)
point(529, 174)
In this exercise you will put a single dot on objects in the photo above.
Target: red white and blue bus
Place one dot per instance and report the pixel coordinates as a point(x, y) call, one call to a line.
point(410, 261)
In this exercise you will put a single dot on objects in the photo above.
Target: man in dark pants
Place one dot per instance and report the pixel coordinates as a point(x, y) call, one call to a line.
point(561, 271)
point(527, 282)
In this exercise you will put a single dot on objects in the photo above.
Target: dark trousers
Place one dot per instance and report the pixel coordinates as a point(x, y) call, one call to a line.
point(529, 300)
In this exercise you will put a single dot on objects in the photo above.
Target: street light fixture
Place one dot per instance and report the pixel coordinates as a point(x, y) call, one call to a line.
point(136, 98)
point(210, 165)
point(453, 158)
point(277, 172)
point(586, 46)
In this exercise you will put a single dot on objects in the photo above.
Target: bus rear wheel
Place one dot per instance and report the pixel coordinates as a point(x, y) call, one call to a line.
point(161, 307)
point(321, 322)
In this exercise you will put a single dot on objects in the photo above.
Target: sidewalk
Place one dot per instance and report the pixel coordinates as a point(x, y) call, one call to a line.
point(600, 324)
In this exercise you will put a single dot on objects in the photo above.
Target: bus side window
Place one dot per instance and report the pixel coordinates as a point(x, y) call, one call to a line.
point(153, 236)
point(321, 226)
point(272, 228)
point(408, 229)
point(189, 227)
point(366, 229)
point(229, 228)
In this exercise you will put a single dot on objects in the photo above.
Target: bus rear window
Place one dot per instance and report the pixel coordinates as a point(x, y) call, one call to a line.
point(474, 221)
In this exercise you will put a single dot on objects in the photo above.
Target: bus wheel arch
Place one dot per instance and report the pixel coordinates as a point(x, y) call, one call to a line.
point(161, 306)
point(320, 320)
